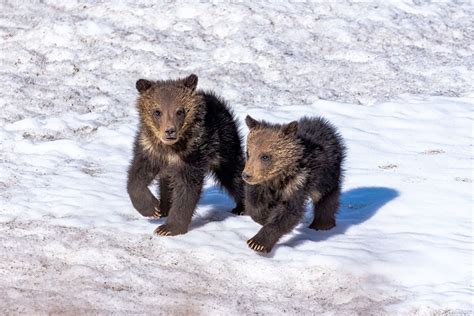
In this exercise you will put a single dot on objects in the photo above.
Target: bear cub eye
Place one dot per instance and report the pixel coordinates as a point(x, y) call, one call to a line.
point(157, 113)
point(180, 113)
point(265, 157)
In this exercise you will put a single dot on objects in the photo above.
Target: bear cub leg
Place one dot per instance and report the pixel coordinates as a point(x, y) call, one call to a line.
point(187, 187)
point(165, 196)
point(230, 178)
point(279, 224)
point(325, 211)
point(140, 175)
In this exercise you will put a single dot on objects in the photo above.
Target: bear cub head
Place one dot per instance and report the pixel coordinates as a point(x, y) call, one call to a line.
point(273, 151)
point(168, 108)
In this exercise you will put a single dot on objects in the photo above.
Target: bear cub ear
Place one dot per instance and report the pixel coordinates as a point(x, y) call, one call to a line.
point(251, 122)
point(191, 82)
point(142, 85)
point(290, 129)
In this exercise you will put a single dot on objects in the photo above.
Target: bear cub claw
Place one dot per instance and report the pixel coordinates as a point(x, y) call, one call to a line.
point(156, 214)
point(254, 245)
point(162, 232)
point(166, 230)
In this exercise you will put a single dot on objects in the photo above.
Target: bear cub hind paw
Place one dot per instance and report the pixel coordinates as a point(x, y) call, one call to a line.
point(238, 209)
point(320, 225)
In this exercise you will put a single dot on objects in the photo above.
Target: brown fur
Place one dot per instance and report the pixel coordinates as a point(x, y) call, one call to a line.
point(183, 135)
point(284, 152)
point(286, 165)
point(168, 100)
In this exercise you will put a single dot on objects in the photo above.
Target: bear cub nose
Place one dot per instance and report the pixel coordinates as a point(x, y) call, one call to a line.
point(170, 131)
point(246, 176)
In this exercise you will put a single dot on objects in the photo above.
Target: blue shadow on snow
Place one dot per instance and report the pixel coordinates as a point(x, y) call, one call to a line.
point(357, 206)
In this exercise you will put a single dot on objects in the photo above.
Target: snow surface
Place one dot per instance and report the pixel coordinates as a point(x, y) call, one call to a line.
point(71, 240)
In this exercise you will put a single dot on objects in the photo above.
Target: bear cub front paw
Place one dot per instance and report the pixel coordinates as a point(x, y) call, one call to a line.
point(259, 245)
point(168, 230)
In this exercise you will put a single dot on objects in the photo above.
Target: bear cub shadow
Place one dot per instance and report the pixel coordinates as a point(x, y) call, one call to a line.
point(357, 206)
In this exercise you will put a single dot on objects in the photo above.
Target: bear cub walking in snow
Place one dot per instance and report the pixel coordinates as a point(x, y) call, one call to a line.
point(286, 165)
point(183, 134)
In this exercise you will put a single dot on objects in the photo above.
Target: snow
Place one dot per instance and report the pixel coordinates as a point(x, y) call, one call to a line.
point(394, 77)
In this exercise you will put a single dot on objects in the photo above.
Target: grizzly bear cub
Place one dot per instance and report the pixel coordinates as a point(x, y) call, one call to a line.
point(286, 165)
point(183, 134)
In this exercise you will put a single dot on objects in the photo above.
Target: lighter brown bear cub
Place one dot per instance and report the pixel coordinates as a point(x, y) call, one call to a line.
point(287, 165)
point(183, 135)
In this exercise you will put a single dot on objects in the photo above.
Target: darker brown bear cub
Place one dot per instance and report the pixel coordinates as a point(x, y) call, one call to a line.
point(286, 165)
point(183, 134)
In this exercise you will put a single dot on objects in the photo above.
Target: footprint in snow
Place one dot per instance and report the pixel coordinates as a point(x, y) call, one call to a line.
point(460, 179)
point(433, 152)
point(389, 166)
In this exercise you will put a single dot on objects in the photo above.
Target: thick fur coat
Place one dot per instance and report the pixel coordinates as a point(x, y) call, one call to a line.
point(287, 165)
point(183, 135)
